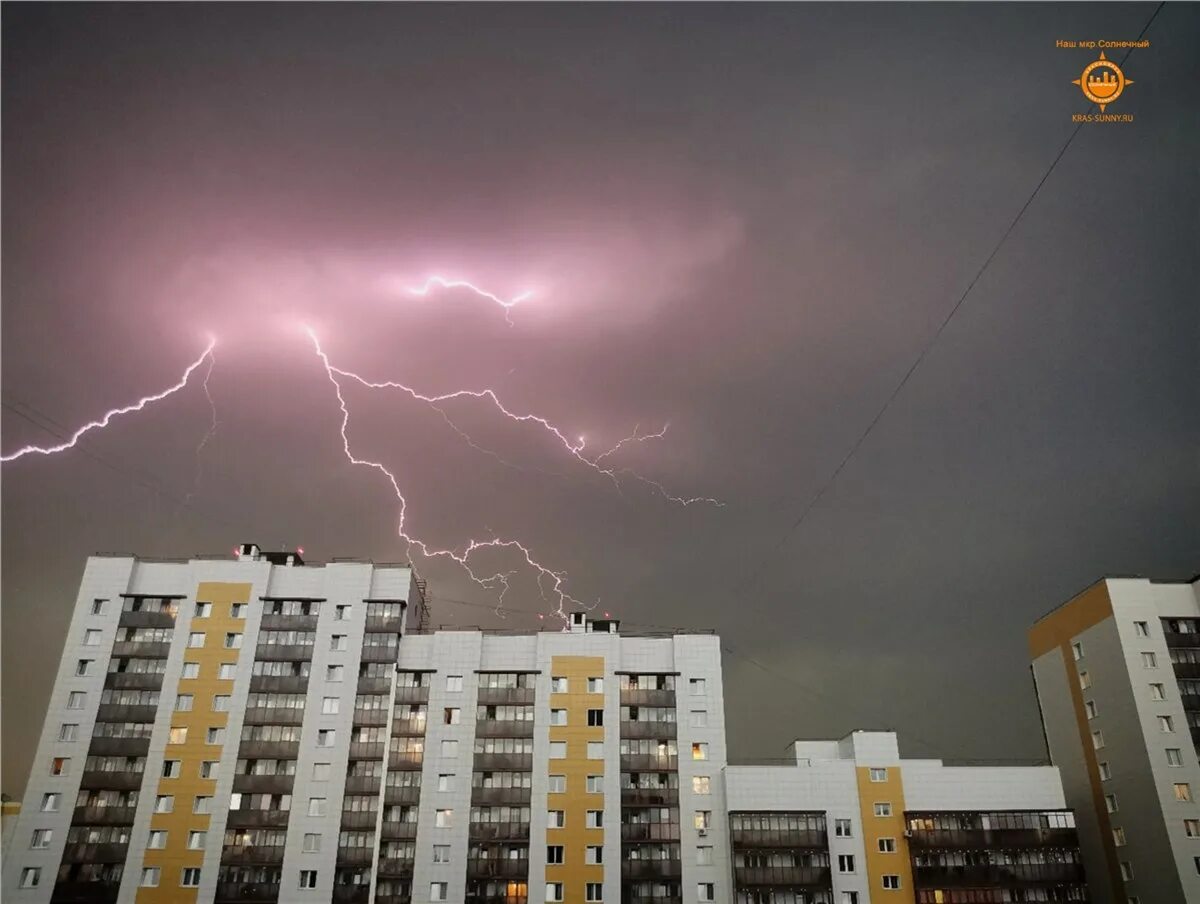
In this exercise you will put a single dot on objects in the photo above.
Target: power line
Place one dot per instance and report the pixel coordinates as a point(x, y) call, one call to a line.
point(816, 497)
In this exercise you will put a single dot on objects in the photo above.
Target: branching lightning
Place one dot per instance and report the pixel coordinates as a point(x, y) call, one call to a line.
point(440, 282)
point(116, 412)
point(212, 428)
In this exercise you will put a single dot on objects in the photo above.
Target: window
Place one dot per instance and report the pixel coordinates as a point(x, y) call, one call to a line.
point(593, 855)
point(883, 809)
point(702, 820)
point(1077, 651)
point(452, 715)
point(441, 853)
point(326, 737)
point(878, 775)
point(696, 687)
point(59, 765)
point(704, 855)
point(593, 891)
point(50, 802)
point(317, 806)
point(320, 772)
point(331, 706)
point(1183, 791)
point(1097, 739)
point(341, 613)
point(203, 610)
point(1126, 870)
point(31, 877)
point(190, 670)
point(1110, 803)
point(214, 736)
point(237, 610)
point(195, 841)
point(171, 768)
point(196, 640)
point(1085, 680)
point(554, 891)
point(595, 685)
point(891, 881)
point(558, 750)
point(558, 717)
point(845, 863)
point(177, 736)
point(68, 731)
point(191, 875)
point(41, 838)
point(558, 685)
point(595, 784)
point(1174, 756)
point(438, 891)
point(312, 843)
point(220, 703)
point(164, 803)
point(91, 637)
point(887, 845)
point(701, 784)
point(849, 897)
point(1089, 707)
point(1158, 692)
point(183, 703)
point(233, 641)
point(699, 750)
point(557, 784)
point(705, 891)
point(308, 878)
point(157, 840)
point(554, 854)
point(208, 768)
point(150, 877)
point(82, 667)
point(842, 829)
point(595, 750)
point(699, 718)
point(454, 684)
point(556, 819)
point(450, 749)
point(1191, 828)
point(595, 717)
point(1166, 724)
point(338, 642)
point(444, 819)
point(1118, 837)
point(202, 804)
point(446, 781)
point(595, 819)
point(1105, 772)
point(335, 672)
point(76, 700)
point(1141, 629)
point(98, 607)
point(1149, 661)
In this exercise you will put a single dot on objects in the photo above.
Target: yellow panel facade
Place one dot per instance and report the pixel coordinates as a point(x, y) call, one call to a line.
point(574, 873)
point(190, 729)
point(885, 831)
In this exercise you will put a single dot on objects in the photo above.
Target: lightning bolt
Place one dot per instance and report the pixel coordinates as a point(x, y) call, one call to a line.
point(440, 282)
point(574, 448)
point(635, 437)
point(212, 360)
point(462, 555)
point(116, 412)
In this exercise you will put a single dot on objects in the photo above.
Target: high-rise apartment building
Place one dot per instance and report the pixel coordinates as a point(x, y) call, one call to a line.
point(1117, 671)
point(255, 730)
point(850, 822)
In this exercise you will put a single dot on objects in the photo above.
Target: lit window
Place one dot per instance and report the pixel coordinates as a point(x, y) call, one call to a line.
point(59, 765)
point(699, 750)
point(701, 784)
point(1183, 791)
point(702, 820)
point(177, 736)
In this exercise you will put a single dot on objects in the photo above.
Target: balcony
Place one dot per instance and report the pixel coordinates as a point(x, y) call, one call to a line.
point(134, 681)
point(647, 697)
point(494, 728)
point(397, 899)
point(351, 894)
point(405, 761)
point(408, 728)
point(355, 856)
point(102, 816)
point(263, 715)
point(631, 898)
point(371, 717)
point(1001, 839)
point(503, 762)
point(269, 750)
point(246, 892)
point(363, 784)
point(649, 797)
point(632, 870)
point(404, 694)
point(500, 796)
point(119, 747)
point(384, 624)
point(401, 794)
point(498, 868)
point(507, 695)
point(95, 853)
point(118, 712)
point(812, 877)
point(84, 892)
point(1175, 641)
point(1186, 669)
point(146, 620)
point(282, 652)
point(252, 854)
point(140, 649)
point(789, 839)
point(96, 780)
point(650, 831)
point(645, 762)
point(398, 831)
point(996, 876)
point(367, 750)
point(257, 819)
point(395, 868)
point(287, 623)
point(498, 831)
point(278, 684)
point(263, 784)
point(381, 654)
point(359, 819)
point(665, 731)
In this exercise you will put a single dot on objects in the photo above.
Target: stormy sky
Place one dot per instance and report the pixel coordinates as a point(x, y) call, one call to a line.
point(744, 220)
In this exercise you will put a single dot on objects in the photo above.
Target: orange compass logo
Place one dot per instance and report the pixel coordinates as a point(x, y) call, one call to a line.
point(1102, 81)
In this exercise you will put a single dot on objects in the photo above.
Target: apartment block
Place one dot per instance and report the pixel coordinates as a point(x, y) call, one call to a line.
point(850, 822)
point(1117, 671)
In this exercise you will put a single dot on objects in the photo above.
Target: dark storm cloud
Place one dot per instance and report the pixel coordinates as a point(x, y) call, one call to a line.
point(744, 219)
